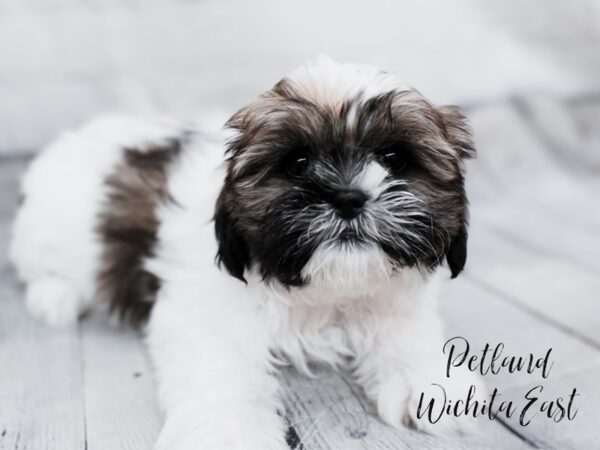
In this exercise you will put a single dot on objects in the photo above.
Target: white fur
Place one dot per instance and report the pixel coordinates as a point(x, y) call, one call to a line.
point(372, 178)
point(346, 270)
point(325, 81)
point(215, 341)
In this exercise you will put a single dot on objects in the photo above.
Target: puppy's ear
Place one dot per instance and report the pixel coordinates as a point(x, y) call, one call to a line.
point(233, 250)
point(456, 255)
point(457, 132)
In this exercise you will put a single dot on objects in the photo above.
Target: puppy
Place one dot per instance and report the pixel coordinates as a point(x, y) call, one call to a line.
point(319, 239)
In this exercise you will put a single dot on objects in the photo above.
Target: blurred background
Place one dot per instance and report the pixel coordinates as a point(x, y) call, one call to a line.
point(527, 74)
point(64, 61)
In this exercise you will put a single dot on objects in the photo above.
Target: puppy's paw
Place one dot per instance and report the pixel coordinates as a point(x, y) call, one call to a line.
point(53, 300)
point(407, 398)
point(189, 430)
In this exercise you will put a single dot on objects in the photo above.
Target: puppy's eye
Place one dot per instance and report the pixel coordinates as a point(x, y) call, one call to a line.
point(296, 164)
point(394, 160)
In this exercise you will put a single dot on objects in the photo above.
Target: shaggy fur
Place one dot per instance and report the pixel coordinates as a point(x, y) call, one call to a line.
point(320, 239)
point(418, 216)
point(128, 226)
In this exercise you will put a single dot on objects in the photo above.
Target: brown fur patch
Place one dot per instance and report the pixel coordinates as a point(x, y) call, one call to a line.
point(128, 226)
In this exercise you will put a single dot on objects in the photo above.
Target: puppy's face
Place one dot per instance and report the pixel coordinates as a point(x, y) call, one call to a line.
point(341, 175)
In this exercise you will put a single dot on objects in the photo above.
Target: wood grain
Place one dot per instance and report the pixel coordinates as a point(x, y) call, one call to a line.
point(41, 396)
point(120, 405)
point(330, 412)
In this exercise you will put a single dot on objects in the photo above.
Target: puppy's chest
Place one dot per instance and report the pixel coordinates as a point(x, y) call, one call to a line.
point(323, 335)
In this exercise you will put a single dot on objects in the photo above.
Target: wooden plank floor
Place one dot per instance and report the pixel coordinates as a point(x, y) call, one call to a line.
point(532, 283)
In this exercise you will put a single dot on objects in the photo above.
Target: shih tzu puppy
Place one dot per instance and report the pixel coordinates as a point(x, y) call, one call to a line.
point(319, 238)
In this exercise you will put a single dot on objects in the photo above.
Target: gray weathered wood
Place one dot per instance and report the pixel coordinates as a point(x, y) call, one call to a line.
point(120, 404)
point(552, 288)
point(482, 317)
point(583, 431)
point(330, 413)
point(541, 235)
point(41, 401)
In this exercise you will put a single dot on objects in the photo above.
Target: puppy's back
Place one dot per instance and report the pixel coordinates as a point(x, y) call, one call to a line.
point(55, 245)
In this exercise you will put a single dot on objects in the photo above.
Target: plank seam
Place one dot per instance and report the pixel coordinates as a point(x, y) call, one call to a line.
point(537, 249)
point(82, 374)
point(295, 400)
point(521, 436)
point(499, 293)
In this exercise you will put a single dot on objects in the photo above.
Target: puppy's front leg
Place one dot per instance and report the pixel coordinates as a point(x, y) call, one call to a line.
point(215, 377)
point(406, 360)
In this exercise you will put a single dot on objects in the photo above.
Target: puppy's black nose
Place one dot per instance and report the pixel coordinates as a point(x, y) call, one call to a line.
point(348, 203)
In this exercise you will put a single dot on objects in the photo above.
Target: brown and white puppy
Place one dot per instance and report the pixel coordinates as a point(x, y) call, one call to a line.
point(317, 240)
point(309, 170)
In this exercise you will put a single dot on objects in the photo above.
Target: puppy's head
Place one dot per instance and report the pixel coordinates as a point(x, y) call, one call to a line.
point(341, 175)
